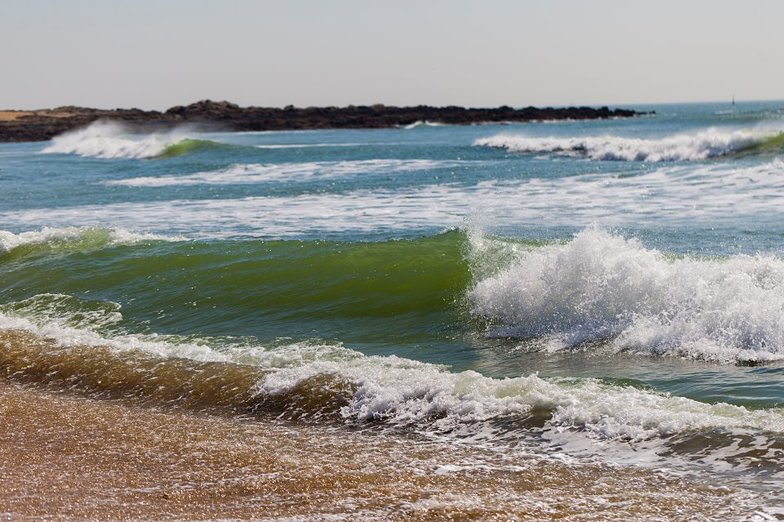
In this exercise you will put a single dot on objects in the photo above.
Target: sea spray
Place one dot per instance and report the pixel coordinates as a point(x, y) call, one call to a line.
point(601, 287)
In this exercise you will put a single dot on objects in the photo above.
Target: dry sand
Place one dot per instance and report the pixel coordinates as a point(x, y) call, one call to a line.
point(15, 115)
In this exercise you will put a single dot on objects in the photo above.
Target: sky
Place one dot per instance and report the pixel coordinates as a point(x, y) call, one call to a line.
point(154, 54)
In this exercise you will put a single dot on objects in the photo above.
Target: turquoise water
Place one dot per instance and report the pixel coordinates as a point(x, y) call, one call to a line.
point(621, 282)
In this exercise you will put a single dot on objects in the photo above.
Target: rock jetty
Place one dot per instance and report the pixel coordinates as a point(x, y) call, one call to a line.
point(209, 115)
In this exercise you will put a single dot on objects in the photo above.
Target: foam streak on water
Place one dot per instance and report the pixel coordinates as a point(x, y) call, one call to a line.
point(668, 195)
point(290, 172)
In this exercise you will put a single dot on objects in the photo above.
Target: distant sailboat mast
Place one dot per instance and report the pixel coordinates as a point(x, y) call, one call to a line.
point(733, 100)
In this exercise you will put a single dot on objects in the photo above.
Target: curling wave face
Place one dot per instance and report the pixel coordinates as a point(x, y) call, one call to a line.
point(711, 143)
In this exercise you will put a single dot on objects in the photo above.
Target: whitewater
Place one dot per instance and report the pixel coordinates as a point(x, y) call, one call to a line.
point(603, 295)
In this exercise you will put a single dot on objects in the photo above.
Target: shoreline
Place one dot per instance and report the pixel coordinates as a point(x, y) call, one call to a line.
point(70, 450)
point(44, 124)
point(75, 457)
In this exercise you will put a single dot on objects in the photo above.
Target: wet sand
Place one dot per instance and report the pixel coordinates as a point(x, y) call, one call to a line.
point(73, 457)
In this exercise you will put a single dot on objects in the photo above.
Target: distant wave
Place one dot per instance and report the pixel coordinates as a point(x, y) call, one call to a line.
point(261, 172)
point(423, 123)
point(112, 140)
point(607, 289)
point(683, 147)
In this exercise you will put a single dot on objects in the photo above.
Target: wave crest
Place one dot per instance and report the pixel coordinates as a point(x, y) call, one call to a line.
point(704, 145)
point(79, 238)
point(112, 140)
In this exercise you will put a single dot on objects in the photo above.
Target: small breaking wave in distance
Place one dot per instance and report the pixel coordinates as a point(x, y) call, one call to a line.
point(113, 140)
point(707, 144)
point(422, 123)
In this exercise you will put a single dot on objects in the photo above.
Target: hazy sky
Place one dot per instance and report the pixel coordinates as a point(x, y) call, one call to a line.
point(155, 54)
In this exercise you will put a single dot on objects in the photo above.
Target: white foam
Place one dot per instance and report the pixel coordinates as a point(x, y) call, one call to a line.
point(59, 327)
point(702, 145)
point(406, 392)
point(112, 140)
point(361, 211)
point(422, 123)
point(601, 287)
point(257, 173)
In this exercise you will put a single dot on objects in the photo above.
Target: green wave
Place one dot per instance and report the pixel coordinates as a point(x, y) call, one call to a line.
point(188, 145)
point(770, 145)
point(370, 292)
point(68, 241)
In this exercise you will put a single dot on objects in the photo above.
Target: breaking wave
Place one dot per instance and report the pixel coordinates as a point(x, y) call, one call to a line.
point(46, 344)
point(113, 140)
point(423, 123)
point(602, 288)
point(704, 145)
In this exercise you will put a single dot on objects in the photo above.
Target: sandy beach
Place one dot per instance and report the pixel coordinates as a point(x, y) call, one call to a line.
point(66, 454)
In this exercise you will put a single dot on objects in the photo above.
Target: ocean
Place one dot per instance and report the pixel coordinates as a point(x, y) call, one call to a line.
point(573, 319)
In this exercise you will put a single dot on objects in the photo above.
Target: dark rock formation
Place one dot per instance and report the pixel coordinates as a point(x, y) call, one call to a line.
point(209, 115)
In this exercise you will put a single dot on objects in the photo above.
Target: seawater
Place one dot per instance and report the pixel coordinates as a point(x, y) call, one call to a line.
point(603, 292)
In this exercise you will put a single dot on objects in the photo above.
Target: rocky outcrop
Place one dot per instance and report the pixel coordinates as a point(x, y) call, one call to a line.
point(44, 124)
